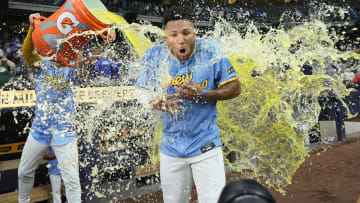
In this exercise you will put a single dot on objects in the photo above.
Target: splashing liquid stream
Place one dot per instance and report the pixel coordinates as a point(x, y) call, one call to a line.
point(264, 128)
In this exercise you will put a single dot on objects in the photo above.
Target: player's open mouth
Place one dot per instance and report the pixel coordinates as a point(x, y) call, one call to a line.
point(182, 53)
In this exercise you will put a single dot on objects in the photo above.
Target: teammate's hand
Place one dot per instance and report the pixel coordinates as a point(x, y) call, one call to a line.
point(32, 17)
point(166, 104)
point(191, 91)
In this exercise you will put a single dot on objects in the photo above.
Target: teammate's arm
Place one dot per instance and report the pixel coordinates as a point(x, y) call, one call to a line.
point(32, 58)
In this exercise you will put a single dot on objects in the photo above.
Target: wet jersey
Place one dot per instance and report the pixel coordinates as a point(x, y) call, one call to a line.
point(195, 128)
point(54, 109)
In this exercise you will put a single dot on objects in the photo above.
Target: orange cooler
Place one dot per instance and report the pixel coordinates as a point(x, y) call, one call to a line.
point(60, 34)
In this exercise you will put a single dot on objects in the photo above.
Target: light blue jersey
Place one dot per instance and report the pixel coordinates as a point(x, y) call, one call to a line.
point(54, 109)
point(188, 133)
point(53, 169)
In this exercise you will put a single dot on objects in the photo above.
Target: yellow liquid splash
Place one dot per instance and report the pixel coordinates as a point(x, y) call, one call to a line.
point(266, 126)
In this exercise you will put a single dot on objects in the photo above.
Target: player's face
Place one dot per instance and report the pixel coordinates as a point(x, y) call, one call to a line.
point(180, 38)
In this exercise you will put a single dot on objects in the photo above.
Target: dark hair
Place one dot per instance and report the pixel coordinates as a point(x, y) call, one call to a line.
point(244, 191)
point(178, 13)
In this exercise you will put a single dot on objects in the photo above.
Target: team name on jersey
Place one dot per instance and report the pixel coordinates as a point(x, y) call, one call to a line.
point(181, 79)
point(54, 80)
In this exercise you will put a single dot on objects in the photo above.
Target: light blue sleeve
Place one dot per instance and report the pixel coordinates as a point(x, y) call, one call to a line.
point(224, 72)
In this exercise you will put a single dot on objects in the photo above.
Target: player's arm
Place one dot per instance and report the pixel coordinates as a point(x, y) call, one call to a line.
point(229, 90)
point(195, 92)
point(225, 78)
point(32, 58)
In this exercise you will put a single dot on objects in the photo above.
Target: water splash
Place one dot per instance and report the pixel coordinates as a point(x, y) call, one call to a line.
point(263, 130)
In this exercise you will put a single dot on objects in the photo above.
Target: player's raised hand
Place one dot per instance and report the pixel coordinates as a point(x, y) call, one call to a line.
point(191, 91)
point(167, 103)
